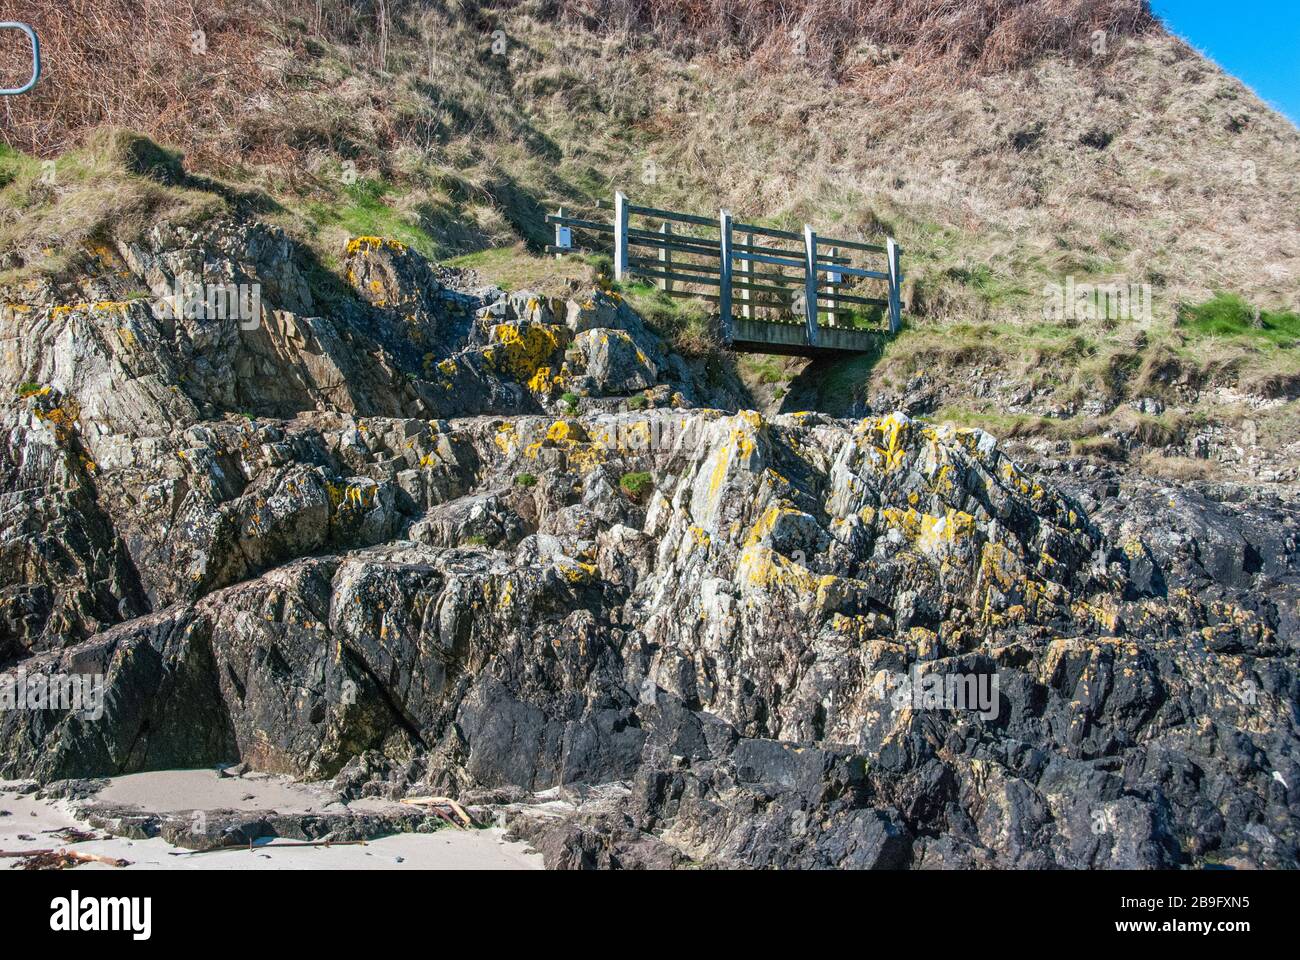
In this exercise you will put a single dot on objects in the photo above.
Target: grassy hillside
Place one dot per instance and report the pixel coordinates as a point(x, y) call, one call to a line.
point(1008, 146)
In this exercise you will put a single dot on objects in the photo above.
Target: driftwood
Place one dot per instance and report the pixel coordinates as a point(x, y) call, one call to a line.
point(465, 819)
point(52, 859)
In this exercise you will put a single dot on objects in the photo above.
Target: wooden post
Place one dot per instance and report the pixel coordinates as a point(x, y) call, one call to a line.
point(666, 259)
point(620, 236)
point(833, 279)
point(563, 236)
point(747, 274)
point(810, 282)
point(724, 267)
point(895, 255)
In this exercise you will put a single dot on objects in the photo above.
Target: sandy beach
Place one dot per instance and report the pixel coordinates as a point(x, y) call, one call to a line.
point(25, 822)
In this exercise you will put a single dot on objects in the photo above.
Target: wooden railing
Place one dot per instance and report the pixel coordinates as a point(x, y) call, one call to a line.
point(779, 273)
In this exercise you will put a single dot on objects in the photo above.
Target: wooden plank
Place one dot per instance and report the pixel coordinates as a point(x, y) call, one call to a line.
point(825, 267)
point(895, 287)
point(747, 273)
point(717, 271)
point(778, 252)
point(580, 224)
point(645, 273)
point(650, 274)
point(620, 235)
point(687, 238)
point(856, 245)
point(810, 282)
point(833, 279)
point(666, 258)
point(675, 244)
point(767, 231)
point(724, 302)
point(677, 265)
point(706, 222)
point(672, 215)
point(707, 246)
point(776, 261)
point(849, 298)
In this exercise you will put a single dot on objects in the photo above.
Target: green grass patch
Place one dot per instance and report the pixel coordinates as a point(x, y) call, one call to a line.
point(525, 480)
point(1228, 315)
point(636, 485)
point(765, 368)
point(364, 209)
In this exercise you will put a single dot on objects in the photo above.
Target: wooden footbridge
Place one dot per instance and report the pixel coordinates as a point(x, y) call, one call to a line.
point(769, 277)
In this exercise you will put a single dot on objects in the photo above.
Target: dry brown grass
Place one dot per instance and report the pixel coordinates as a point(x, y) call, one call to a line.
point(199, 76)
point(132, 63)
point(902, 41)
point(1181, 469)
point(1011, 156)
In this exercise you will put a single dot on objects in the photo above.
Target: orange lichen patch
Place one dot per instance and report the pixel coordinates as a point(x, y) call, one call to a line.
point(888, 438)
point(741, 445)
point(577, 572)
point(544, 384)
point(582, 453)
point(506, 438)
point(523, 351)
point(765, 524)
point(765, 568)
point(999, 566)
point(907, 522)
point(366, 244)
point(62, 310)
point(62, 418)
point(1101, 613)
point(942, 481)
point(111, 306)
point(639, 437)
point(351, 496)
point(1134, 549)
point(940, 533)
point(1018, 481)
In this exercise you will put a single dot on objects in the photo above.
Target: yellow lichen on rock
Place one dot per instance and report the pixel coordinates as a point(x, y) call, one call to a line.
point(523, 352)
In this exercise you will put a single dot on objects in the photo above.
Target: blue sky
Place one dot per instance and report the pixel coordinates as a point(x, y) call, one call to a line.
point(1257, 41)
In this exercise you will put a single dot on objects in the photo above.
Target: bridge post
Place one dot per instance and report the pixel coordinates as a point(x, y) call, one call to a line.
point(724, 269)
point(810, 282)
point(563, 237)
point(747, 274)
point(894, 253)
point(666, 259)
point(833, 280)
point(620, 236)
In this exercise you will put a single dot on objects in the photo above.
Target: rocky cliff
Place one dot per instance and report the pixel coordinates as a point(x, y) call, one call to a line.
point(414, 535)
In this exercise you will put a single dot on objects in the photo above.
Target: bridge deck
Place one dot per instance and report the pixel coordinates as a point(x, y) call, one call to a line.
point(790, 339)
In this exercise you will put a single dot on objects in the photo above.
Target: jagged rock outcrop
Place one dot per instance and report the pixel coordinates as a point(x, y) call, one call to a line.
point(379, 539)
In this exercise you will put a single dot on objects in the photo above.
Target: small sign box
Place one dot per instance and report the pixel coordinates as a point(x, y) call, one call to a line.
point(564, 238)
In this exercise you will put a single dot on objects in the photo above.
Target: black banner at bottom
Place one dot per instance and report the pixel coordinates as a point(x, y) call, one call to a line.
point(301, 908)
